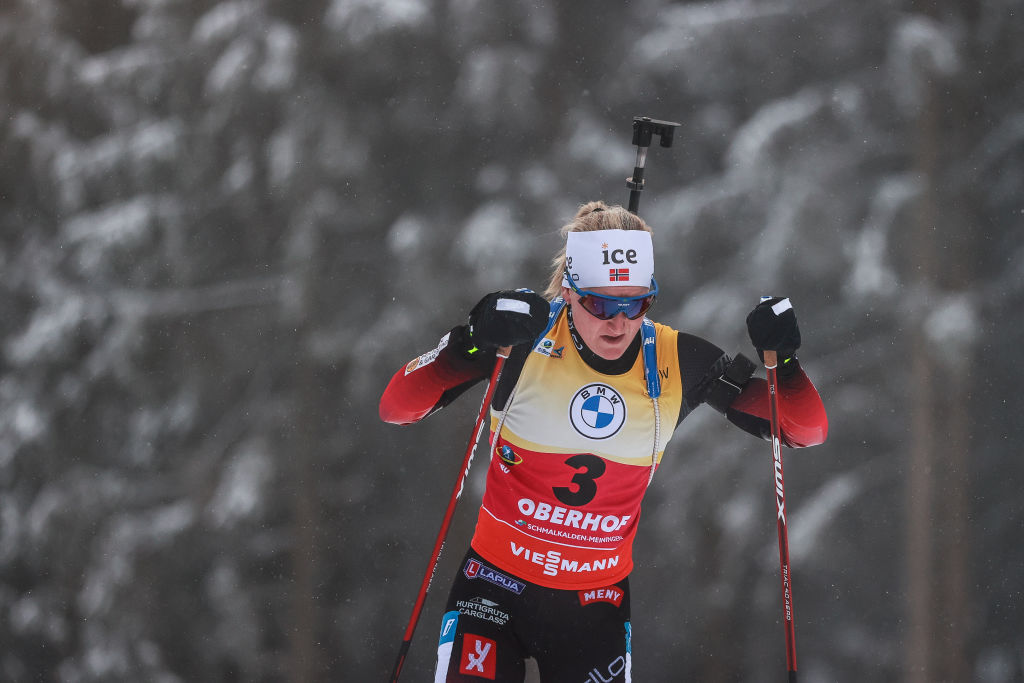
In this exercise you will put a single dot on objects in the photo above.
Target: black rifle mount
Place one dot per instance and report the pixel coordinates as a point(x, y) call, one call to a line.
point(644, 130)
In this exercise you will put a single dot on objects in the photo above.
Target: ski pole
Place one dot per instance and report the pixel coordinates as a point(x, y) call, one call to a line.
point(644, 129)
point(771, 363)
point(460, 482)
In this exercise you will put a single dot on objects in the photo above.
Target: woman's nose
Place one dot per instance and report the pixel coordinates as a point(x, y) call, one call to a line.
point(619, 321)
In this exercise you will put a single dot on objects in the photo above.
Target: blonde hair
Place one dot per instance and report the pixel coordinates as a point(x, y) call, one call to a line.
point(591, 216)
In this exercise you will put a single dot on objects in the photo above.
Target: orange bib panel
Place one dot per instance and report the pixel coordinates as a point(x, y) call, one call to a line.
point(571, 463)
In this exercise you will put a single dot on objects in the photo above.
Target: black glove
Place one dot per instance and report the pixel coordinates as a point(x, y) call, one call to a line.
point(772, 327)
point(507, 318)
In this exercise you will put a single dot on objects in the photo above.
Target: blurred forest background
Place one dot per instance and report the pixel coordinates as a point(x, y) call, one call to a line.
point(223, 225)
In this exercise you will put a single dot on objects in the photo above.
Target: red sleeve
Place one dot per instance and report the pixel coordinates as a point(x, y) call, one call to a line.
point(429, 383)
point(801, 412)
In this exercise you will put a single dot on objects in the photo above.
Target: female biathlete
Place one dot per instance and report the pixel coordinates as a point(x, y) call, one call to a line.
point(584, 408)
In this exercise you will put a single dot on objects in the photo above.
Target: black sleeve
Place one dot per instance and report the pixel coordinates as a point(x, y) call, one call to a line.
point(751, 424)
point(700, 362)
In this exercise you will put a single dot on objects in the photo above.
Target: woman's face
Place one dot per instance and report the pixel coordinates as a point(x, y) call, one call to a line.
point(607, 338)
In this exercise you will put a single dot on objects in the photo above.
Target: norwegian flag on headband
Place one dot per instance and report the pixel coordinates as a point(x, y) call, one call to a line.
point(618, 275)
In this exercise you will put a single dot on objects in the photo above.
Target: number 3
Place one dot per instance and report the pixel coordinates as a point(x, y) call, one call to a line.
point(592, 467)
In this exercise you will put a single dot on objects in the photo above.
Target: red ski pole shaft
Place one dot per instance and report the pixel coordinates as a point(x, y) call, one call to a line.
point(460, 482)
point(771, 366)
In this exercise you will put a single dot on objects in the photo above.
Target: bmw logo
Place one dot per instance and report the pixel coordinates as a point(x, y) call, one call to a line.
point(597, 411)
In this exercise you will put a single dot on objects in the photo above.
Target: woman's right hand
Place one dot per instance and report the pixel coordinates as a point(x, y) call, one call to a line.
point(507, 318)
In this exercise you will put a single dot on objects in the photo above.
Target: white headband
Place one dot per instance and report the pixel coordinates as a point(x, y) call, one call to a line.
point(605, 258)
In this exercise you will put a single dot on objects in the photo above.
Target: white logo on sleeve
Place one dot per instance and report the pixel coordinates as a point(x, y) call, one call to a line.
point(479, 657)
point(597, 411)
point(476, 661)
